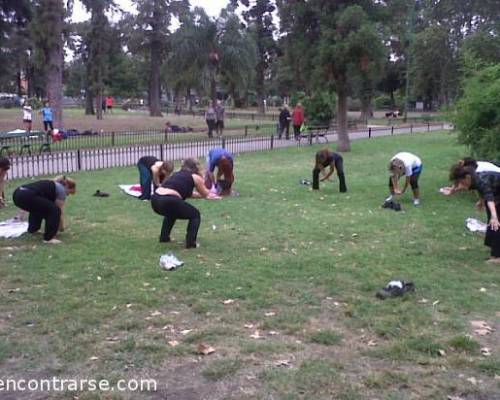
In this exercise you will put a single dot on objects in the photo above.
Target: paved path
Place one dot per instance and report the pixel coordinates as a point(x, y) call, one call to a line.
point(93, 159)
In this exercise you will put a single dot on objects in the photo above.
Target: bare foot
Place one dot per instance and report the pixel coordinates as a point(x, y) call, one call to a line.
point(52, 241)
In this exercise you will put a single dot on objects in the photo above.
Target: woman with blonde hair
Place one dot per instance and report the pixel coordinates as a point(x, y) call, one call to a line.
point(44, 200)
point(169, 200)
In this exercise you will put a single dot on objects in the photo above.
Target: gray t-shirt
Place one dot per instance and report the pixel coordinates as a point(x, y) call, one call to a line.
point(60, 192)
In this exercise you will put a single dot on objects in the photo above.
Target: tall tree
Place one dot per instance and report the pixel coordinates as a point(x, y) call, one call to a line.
point(349, 42)
point(49, 47)
point(259, 17)
point(152, 24)
point(99, 47)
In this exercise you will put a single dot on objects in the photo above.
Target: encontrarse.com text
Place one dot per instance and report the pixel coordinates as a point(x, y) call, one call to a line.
point(76, 385)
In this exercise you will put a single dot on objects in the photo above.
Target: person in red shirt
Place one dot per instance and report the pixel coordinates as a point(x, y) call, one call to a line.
point(297, 120)
point(109, 104)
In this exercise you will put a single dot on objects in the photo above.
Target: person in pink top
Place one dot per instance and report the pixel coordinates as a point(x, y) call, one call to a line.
point(297, 119)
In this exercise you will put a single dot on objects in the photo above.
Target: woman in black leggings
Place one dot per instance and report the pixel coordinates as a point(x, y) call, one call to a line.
point(44, 200)
point(326, 158)
point(169, 200)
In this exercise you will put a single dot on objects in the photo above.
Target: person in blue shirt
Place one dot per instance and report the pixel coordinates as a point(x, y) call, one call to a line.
point(222, 160)
point(47, 117)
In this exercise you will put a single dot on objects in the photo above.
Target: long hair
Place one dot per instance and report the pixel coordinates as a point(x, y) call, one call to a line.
point(459, 172)
point(4, 163)
point(226, 167)
point(191, 165)
point(321, 157)
point(66, 181)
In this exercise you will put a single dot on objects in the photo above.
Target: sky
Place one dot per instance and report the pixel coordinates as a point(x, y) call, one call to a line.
point(212, 7)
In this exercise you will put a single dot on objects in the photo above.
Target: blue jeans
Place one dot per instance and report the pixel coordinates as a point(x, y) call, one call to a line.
point(145, 179)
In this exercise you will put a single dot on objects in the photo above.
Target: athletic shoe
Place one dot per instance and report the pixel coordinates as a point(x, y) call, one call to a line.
point(416, 202)
point(395, 289)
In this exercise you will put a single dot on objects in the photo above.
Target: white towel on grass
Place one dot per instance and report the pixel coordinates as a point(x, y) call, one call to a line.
point(132, 190)
point(475, 225)
point(12, 228)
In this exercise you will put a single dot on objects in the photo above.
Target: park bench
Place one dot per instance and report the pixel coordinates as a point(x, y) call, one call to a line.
point(317, 133)
point(24, 140)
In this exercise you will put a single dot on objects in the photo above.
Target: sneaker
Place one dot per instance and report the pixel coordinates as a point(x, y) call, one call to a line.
point(52, 241)
point(98, 193)
point(395, 289)
point(390, 198)
point(192, 246)
point(416, 202)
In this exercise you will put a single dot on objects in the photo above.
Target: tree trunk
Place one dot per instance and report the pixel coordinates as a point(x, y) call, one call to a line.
point(154, 80)
point(343, 144)
point(189, 99)
point(366, 108)
point(213, 89)
point(99, 99)
point(259, 88)
point(55, 62)
point(89, 103)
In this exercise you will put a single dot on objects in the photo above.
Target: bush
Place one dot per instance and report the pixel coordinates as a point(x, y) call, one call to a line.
point(477, 114)
point(382, 102)
point(297, 97)
point(320, 108)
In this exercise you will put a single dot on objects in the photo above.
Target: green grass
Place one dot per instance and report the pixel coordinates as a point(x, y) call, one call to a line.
point(302, 268)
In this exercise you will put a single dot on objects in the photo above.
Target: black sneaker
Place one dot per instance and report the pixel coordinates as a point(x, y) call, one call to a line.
point(98, 193)
point(395, 289)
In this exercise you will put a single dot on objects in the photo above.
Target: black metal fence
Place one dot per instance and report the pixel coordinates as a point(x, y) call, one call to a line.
point(69, 161)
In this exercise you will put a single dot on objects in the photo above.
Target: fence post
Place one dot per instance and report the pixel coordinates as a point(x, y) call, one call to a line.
point(246, 131)
point(411, 128)
point(78, 160)
point(310, 138)
point(166, 136)
point(161, 152)
point(369, 132)
point(272, 142)
point(113, 139)
point(428, 126)
point(392, 130)
point(223, 142)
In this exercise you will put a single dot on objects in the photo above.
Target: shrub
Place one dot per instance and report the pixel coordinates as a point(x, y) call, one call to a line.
point(320, 108)
point(477, 113)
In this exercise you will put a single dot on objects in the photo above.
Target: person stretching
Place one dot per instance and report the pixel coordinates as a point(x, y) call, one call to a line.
point(477, 166)
point(409, 165)
point(169, 201)
point(4, 167)
point(152, 170)
point(326, 158)
point(45, 200)
point(223, 160)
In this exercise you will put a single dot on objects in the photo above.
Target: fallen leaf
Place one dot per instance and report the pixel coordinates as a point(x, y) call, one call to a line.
point(173, 343)
point(486, 351)
point(99, 278)
point(372, 343)
point(441, 352)
point(249, 326)
point(186, 331)
point(423, 301)
point(228, 301)
point(205, 349)
point(129, 305)
point(472, 380)
point(263, 249)
point(93, 358)
point(112, 339)
point(482, 289)
point(455, 398)
point(14, 290)
point(155, 313)
point(283, 363)
point(273, 333)
point(256, 335)
point(270, 314)
point(435, 303)
point(482, 332)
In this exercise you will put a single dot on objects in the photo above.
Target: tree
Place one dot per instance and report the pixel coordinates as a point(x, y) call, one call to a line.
point(477, 113)
point(152, 26)
point(348, 43)
point(47, 31)
point(259, 16)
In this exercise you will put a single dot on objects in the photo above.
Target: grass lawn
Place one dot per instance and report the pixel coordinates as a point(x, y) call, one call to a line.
point(282, 288)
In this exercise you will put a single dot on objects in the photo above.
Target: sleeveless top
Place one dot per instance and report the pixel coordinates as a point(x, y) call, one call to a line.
point(148, 161)
point(44, 188)
point(182, 182)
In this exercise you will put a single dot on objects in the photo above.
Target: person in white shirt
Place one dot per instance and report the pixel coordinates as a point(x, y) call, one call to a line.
point(478, 166)
point(27, 117)
point(410, 166)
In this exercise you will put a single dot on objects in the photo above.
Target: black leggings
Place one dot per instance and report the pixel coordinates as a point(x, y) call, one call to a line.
point(174, 208)
point(39, 208)
point(339, 166)
point(492, 238)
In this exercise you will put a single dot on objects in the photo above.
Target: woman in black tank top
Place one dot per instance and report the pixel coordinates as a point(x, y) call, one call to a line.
point(169, 201)
point(326, 158)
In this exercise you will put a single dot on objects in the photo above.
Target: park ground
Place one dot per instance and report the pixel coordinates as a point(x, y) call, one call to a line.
point(282, 288)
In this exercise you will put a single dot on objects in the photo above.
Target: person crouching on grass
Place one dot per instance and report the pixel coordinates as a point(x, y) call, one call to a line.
point(45, 200)
point(410, 166)
point(487, 185)
point(326, 158)
point(169, 201)
point(4, 167)
point(223, 160)
point(152, 170)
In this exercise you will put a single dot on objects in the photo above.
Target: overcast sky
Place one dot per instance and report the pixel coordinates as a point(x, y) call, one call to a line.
point(212, 7)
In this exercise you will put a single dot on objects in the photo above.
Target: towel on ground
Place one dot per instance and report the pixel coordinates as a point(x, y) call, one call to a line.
point(132, 190)
point(475, 225)
point(12, 228)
